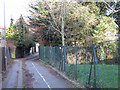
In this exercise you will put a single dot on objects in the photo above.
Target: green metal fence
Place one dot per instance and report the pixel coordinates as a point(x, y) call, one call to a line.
point(95, 66)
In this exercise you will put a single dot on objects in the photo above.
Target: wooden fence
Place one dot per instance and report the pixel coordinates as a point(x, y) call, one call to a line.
point(4, 60)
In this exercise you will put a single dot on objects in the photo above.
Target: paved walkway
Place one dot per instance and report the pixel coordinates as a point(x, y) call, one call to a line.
point(36, 75)
point(13, 79)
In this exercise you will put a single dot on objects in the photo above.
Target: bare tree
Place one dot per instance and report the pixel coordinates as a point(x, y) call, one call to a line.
point(54, 24)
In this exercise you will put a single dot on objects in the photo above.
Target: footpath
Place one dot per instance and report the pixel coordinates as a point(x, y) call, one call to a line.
point(29, 72)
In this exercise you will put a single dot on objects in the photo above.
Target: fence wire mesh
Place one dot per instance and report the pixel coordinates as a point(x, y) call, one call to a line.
point(95, 66)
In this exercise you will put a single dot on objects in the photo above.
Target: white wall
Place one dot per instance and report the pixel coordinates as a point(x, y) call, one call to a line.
point(37, 45)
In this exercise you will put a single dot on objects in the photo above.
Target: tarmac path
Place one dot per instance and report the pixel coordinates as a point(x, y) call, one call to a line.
point(34, 74)
point(13, 79)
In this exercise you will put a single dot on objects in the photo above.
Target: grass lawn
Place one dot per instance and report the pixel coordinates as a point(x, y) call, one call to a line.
point(108, 74)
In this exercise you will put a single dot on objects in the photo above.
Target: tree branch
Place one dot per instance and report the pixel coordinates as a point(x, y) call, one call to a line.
point(109, 7)
point(53, 18)
point(56, 28)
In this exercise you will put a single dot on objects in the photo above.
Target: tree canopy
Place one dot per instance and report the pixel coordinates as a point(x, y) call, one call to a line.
point(19, 34)
point(83, 22)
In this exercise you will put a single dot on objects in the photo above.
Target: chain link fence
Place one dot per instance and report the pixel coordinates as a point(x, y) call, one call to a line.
point(95, 66)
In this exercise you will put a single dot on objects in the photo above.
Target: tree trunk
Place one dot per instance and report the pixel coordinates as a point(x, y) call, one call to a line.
point(62, 26)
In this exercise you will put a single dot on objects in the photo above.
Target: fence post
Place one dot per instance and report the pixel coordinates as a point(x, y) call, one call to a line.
point(119, 43)
point(51, 55)
point(54, 56)
point(44, 53)
point(95, 59)
point(94, 66)
point(90, 69)
point(39, 51)
point(6, 59)
point(62, 58)
point(65, 58)
point(119, 49)
point(76, 64)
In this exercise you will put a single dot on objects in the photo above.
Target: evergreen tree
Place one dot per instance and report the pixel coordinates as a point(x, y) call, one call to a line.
point(83, 22)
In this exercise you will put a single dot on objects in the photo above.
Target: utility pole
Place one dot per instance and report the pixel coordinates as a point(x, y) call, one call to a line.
point(5, 35)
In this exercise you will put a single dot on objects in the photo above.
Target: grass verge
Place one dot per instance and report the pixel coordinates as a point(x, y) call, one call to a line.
point(108, 74)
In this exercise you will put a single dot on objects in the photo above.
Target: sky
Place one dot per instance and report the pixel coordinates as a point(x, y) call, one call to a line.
point(13, 8)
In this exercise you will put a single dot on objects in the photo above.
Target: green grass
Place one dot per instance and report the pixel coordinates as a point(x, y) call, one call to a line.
point(108, 74)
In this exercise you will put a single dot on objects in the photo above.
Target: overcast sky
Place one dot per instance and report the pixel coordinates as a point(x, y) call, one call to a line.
point(13, 8)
